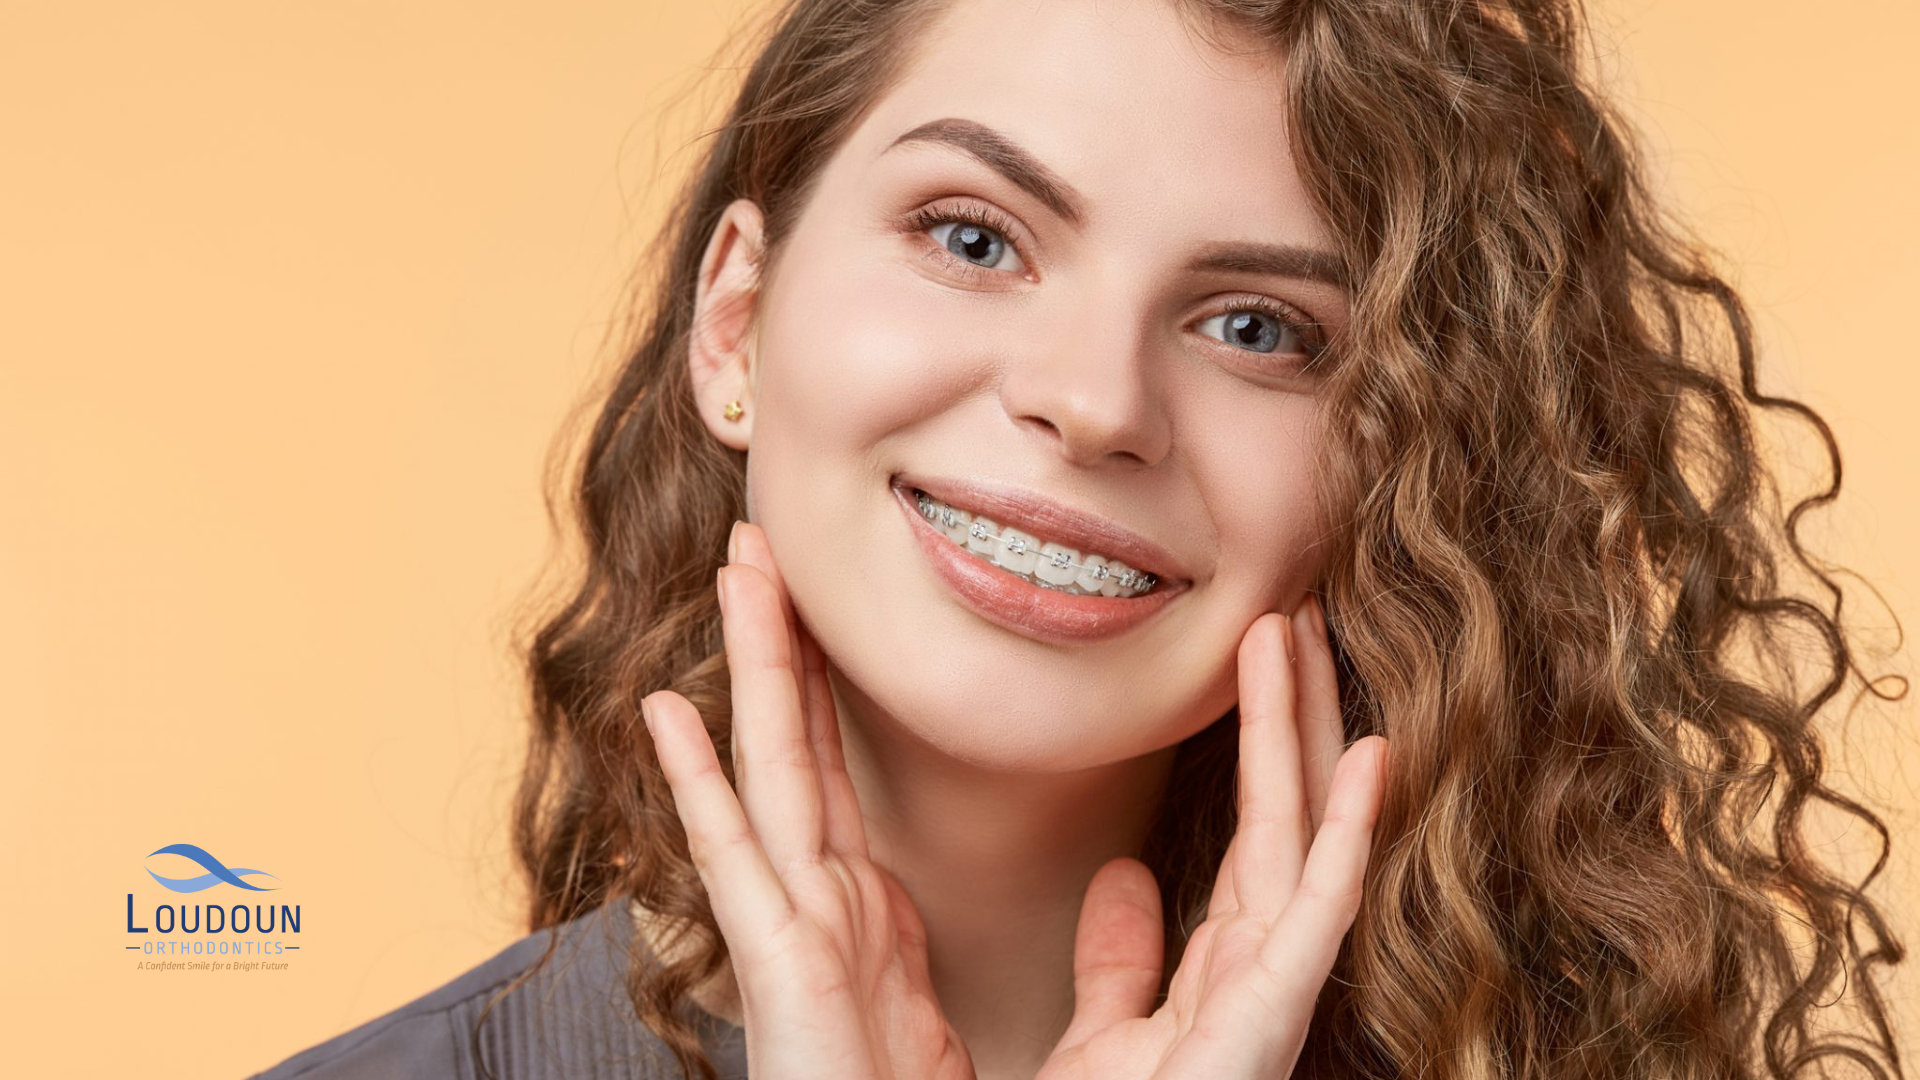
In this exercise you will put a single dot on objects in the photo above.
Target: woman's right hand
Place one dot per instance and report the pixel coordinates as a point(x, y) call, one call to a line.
point(827, 948)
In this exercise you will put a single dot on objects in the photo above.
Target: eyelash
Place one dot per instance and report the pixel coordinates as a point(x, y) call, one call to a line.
point(928, 217)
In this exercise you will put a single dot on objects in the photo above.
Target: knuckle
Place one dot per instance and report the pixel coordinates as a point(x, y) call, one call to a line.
point(707, 850)
point(797, 753)
point(766, 661)
point(1257, 814)
point(1343, 896)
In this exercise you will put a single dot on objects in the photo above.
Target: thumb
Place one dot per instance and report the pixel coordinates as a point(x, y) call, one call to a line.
point(913, 935)
point(1118, 951)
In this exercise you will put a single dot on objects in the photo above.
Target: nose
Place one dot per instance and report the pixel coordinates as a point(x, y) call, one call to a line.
point(1088, 391)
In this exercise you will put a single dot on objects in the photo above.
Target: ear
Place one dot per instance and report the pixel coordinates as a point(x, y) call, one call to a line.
point(720, 352)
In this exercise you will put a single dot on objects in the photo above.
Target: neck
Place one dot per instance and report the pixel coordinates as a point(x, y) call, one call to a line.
point(997, 864)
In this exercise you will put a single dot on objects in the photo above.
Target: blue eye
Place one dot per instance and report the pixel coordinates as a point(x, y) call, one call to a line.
point(1254, 323)
point(975, 238)
point(975, 243)
point(1260, 331)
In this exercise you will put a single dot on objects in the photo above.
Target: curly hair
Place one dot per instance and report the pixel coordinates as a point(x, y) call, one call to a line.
point(1554, 584)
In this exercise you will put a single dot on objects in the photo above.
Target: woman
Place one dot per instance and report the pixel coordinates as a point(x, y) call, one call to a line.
point(1337, 347)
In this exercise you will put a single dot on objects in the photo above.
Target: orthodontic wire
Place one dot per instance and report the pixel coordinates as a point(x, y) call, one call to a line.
point(1140, 581)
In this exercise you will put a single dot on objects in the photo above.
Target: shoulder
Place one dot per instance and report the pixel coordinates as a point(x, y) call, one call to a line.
point(571, 1019)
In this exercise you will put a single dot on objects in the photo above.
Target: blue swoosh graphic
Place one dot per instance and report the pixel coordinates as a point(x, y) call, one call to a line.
point(204, 881)
point(217, 872)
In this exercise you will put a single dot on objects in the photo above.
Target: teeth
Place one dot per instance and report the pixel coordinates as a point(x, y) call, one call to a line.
point(949, 522)
point(1093, 573)
point(1018, 552)
point(983, 536)
point(1043, 562)
point(1056, 564)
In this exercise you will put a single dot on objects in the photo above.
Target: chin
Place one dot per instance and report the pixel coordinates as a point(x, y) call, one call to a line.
point(1005, 723)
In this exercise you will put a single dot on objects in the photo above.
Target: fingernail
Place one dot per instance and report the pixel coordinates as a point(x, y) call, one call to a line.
point(733, 540)
point(720, 579)
point(646, 715)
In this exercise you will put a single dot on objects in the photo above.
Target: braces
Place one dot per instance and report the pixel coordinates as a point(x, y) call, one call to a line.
point(1139, 581)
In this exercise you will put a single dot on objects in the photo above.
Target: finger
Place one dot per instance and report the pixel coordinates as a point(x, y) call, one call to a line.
point(1257, 1023)
point(1273, 816)
point(842, 827)
point(1321, 737)
point(748, 898)
point(846, 830)
point(1222, 900)
point(903, 1044)
point(913, 934)
point(749, 545)
point(1301, 949)
point(781, 792)
point(1118, 951)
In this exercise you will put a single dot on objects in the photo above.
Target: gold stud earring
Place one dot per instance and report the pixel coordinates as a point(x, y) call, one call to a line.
point(733, 411)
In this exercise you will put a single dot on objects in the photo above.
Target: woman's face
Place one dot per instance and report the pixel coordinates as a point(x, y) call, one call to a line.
point(1079, 349)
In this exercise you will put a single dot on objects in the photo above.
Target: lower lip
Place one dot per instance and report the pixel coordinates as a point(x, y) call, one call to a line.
point(1021, 606)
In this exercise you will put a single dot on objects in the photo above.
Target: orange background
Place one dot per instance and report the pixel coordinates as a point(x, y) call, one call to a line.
point(295, 298)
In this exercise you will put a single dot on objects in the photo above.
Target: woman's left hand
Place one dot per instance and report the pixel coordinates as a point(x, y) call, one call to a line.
point(1287, 892)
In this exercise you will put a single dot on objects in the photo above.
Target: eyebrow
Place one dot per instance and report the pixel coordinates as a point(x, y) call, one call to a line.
point(1029, 174)
point(1004, 156)
point(1282, 260)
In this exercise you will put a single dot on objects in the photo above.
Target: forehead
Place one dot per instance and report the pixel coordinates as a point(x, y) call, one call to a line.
point(1120, 98)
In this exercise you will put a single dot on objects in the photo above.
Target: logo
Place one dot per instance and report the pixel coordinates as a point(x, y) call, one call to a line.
point(216, 871)
point(242, 927)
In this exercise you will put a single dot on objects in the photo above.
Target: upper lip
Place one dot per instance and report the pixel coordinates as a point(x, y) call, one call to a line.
point(1035, 513)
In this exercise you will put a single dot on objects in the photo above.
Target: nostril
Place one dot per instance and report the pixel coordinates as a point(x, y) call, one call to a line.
point(1051, 427)
point(1087, 450)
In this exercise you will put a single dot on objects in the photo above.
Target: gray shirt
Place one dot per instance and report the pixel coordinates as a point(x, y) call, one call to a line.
point(571, 1020)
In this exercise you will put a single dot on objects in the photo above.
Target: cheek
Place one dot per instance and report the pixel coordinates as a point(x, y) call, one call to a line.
point(861, 346)
point(1262, 498)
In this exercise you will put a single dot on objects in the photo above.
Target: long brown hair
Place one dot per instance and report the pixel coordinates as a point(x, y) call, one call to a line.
point(1556, 582)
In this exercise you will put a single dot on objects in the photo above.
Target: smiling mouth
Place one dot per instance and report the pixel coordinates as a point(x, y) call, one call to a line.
point(1033, 559)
